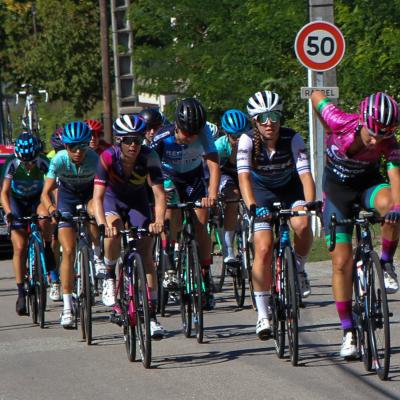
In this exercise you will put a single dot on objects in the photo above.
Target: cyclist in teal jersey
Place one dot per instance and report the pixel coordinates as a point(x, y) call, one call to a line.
point(73, 170)
point(20, 196)
point(355, 145)
point(233, 123)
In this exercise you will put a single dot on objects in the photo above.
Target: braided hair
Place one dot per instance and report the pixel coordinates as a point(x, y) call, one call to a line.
point(257, 144)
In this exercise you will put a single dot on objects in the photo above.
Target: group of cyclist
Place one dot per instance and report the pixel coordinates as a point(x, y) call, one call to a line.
point(253, 157)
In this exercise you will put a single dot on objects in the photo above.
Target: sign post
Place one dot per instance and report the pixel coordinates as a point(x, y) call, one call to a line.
point(319, 46)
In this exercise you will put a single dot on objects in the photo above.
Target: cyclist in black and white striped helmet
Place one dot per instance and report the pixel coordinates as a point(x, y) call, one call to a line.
point(264, 101)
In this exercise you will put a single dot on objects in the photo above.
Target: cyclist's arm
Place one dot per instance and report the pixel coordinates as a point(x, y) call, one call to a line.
point(244, 166)
point(308, 186)
point(5, 195)
point(98, 208)
point(45, 198)
point(318, 99)
point(160, 203)
point(394, 178)
point(215, 174)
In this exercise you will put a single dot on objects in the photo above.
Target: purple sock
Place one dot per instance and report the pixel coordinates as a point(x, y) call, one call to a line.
point(388, 249)
point(345, 313)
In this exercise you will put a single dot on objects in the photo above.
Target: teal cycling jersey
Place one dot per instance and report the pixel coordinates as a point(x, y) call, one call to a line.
point(73, 177)
point(26, 183)
point(224, 149)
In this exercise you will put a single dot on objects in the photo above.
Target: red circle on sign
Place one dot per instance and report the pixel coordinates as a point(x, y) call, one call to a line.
point(305, 32)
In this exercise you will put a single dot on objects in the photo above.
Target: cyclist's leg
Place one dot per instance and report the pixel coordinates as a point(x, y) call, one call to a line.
point(379, 197)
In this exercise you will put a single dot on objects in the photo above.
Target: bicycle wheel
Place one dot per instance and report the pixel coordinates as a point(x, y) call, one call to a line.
point(378, 322)
point(161, 265)
point(185, 277)
point(246, 252)
point(238, 277)
point(291, 306)
point(33, 298)
point(360, 321)
point(141, 300)
point(197, 291)
point(218, 267)
point(86, 294)
point(277, 305)
point(40, 285)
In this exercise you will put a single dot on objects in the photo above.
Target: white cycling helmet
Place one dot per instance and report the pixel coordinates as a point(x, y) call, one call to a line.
point(264, 101)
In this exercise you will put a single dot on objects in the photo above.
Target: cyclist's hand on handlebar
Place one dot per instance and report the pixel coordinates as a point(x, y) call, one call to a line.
point(55, 216)
point(208, 201)
point(9, 218)
point(156, 227)
point(393, 216)
point(110, 231)
point(313, 205)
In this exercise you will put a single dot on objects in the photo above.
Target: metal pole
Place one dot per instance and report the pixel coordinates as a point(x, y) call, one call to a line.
point(105, 69)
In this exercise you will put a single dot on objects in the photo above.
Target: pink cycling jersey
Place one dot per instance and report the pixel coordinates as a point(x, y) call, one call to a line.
point(342, 131)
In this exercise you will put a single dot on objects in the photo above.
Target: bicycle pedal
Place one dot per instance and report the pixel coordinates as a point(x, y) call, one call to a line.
point(116, 319)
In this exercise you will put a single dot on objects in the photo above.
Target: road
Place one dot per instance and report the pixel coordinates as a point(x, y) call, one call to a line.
point(53, 363)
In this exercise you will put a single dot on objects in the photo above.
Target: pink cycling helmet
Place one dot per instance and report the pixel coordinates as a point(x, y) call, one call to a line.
point(379, 113)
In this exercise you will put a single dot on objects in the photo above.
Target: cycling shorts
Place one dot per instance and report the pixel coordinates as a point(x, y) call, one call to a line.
point(187, 188)
point(23, 208)
point(137, 211)
point(67, 202)
point(290, 195)
point(339, 198)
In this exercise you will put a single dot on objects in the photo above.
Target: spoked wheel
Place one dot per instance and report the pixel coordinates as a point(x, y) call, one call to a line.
point(185, 278)
point(277, 303)
point(40, 287)
point(197, 291)
point(378, 323)
point(239, 285)
point(86, 295)
point(292, 310)
point(218, 267)
point(246, 251)
point(128, 313)
point(141, 301)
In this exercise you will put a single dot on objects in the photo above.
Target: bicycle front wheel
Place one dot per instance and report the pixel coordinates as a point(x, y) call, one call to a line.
point(197, 291)
point(185, 278)
point(292, 309)
point(378, 322)
point(277, 307)
point(86, 294)
point(141, 299)
point(40, 286)
point(218, 267)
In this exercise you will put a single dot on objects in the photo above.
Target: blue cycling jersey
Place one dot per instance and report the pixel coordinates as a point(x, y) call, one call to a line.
point(177, 159)
point(73, 177)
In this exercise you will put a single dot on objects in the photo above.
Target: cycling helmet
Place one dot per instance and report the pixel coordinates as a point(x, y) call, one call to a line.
point(56, 139)
point(27, 147)
point(264, 101)
point(379, 113)
point(214, 130)
point(95, 125)
point(234, 122)
point(152, 117)
point(190, 116)
point(129, 125)
point(76, 132)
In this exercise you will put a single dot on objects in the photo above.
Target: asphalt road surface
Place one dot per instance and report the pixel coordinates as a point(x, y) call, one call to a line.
point(53, 363)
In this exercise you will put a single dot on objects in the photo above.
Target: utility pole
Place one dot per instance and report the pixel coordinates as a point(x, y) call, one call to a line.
point(105, 69)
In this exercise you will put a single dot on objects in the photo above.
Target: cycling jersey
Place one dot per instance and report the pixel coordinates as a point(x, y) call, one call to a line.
point(343, 129)
point(224, 149)
point(102, 146)
point(178, 159)
point(51, 154)
point(110, 172)
point(26, 184)
point(73, 177)
point(278, 168)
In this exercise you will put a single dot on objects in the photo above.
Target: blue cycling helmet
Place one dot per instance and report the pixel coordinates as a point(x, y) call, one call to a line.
point(27, 147)
point(131, 125)
point(234, 122)
point(76, 132)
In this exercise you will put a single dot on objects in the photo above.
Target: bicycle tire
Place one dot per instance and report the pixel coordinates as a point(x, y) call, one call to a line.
point(86, 293)
point(292, 306)
point(246, 252)
point(359, 308)
point(185, 277)
point(218, 267)
point(197, 292)
point(163, 292)
point(32, 289)
point(40, 286)
point(141, 301)
point(278, 317)
point(128, 316)
point(239, 285)
point(378, 322)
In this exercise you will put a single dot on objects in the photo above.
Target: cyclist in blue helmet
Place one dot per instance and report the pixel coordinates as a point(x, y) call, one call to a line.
point(24, 175)
point(233, 123)
point(73, 171)
point(123, 173)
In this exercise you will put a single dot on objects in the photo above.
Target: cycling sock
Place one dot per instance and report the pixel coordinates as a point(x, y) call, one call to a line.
point(300, 262)
point(228, 240)
point(262, 302)
point(344, 310)
point(21, 291)
point(388, 249)
point(67, 299)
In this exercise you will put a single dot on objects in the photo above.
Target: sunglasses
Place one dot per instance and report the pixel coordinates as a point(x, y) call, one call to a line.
point(272, 116)
point(79, 146)
point(385, 132)
point(128, 140)
point(235, 136)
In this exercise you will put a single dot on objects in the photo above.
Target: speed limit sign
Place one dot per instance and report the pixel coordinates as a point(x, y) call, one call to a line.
point(319, 45)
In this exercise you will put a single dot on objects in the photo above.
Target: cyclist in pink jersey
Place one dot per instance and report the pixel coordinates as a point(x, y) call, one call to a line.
point(355, 145)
